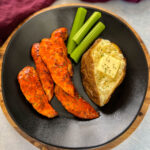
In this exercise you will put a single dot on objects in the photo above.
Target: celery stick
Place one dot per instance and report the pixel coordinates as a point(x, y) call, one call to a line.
point(78, 22)
point(86, 27)
point(93, 34)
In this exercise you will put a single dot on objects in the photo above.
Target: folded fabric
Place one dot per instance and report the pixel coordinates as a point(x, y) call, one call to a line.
point(12, 12)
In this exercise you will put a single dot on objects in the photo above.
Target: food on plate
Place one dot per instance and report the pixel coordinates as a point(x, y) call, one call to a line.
point(86, 27)
point(33, 91)
point(61, 33)
point(54, 66)
point(85, 43)
point(77, 24)
point(58, 37)
point(75, 105)
point(54, 55)
point(103, 68)
point(79, 31)
point(43, 72)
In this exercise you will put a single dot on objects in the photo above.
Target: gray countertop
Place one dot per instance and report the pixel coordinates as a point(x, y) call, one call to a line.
point(138, 16)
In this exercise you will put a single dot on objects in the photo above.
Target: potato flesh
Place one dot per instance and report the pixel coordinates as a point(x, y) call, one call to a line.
point(106, 84)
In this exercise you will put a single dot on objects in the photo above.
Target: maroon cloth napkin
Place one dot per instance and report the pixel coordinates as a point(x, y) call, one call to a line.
point(12, 12)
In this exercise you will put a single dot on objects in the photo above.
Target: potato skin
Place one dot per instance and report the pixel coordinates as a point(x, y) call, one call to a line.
point(88, 78)
point(87, 74)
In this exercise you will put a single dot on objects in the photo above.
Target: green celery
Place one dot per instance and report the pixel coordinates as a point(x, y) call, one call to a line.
point(77, 24)
point(85, 43)
point(86, 27)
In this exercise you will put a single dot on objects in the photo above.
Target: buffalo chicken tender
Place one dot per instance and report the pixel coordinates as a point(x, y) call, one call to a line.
point(54, 55)
point(43, 72)
point(33, 91)
point(76, 105)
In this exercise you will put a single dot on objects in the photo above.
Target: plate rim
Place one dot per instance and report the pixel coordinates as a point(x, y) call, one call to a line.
point(13, 35)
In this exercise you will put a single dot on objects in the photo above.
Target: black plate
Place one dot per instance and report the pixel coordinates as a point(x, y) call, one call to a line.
point(67, 131)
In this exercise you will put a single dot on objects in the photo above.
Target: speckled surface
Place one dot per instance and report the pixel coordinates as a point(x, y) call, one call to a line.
point(137, 15)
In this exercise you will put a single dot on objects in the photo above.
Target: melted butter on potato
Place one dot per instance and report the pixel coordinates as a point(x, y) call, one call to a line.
point(108, 65)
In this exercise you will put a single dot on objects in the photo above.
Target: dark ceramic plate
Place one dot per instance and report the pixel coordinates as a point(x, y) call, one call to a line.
point(67, 131)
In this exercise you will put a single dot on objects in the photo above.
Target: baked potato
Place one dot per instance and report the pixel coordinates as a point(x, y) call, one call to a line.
point(103, 68)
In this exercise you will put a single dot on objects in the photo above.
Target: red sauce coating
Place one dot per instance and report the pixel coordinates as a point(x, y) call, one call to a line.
point(33, 91)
